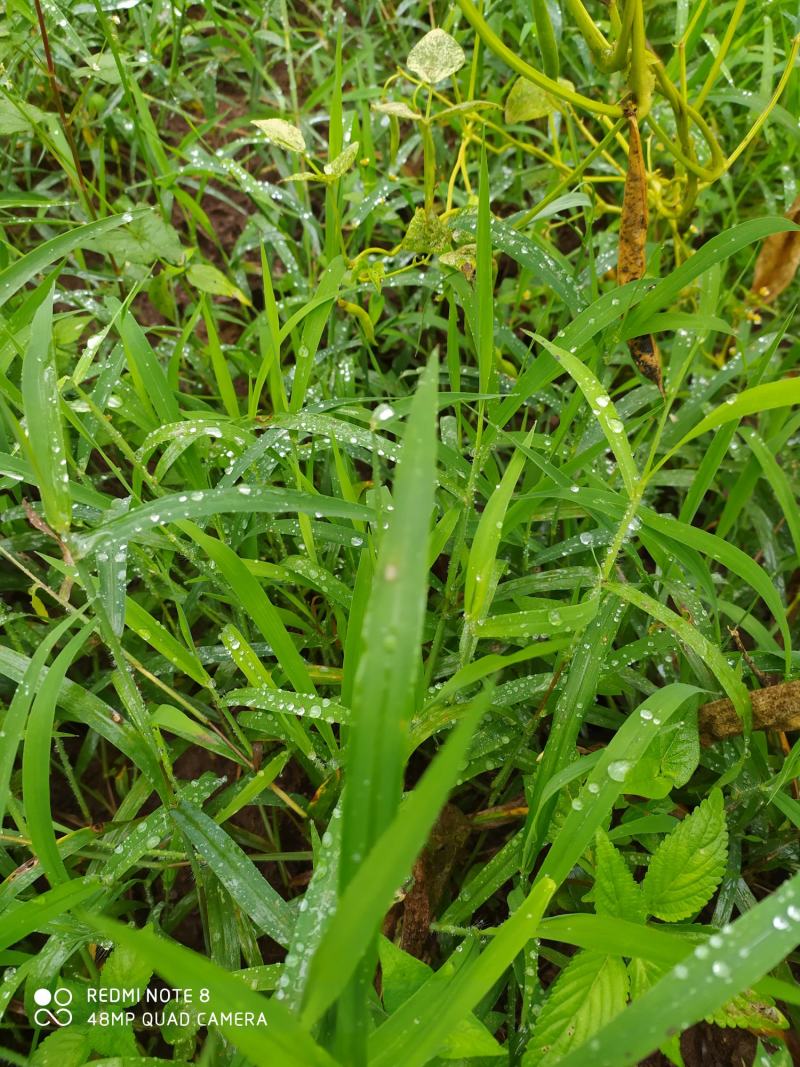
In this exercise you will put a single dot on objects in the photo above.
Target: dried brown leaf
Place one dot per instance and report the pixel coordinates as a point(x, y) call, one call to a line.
point(775, 708)
point(647, 358)
point(633, 226)
point(778, 260)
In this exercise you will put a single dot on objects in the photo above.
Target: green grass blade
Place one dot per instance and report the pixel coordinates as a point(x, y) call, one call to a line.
point(28, 266)
point(36, 762)
point(384, 689)
point(45, 441)
point(16, 923)
point(268, 910)
point(258, 606)
point(196, 504)
point(278, 1040)
point(368, 894)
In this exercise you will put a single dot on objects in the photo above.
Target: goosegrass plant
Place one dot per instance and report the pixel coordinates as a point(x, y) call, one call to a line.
point(365, 603)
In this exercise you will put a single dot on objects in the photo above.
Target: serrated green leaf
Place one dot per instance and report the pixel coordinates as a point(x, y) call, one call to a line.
point(738, 956)
point(435, 57)
point(588, 993)
point(125, 969)
point(750, 1012)
point(689, 863)
point(146, 237)
point(616, 893)
point(64, 1048)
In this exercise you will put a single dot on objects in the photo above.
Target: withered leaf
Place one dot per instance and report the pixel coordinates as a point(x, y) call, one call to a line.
point(633, 226)
point(430, 877)
point(647, 358)
point(631, 259)
point(775, 708)
point(778, 260)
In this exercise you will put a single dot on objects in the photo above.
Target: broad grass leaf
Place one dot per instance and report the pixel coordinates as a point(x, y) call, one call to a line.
point(35, 914)
point(435, 57)
point(237, 873)
point(36, 762)
point(729, 555)
point(616, 893)
point(159, 638)
point(45, 440)
point(483, 552)
point(589, 992)
point(709, 653)
point(199, 503)
point(765, 397)
point(611, 936)
point(688, 865)
point(526, 102)
point(778, 260)
point(319, 309)
point(17, 714)
point(282, 133)
point(402, 975)
point(315, 912)
point(418, 1029)
point(602, 408)
point(701, 983)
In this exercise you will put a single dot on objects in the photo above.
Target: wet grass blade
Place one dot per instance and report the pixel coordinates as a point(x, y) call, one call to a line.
point(44, 440)
point(368, 895)
point(268, 910)
point(36, 762)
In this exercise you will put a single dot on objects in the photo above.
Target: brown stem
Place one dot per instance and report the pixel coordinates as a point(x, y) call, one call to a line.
point(51, 73)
